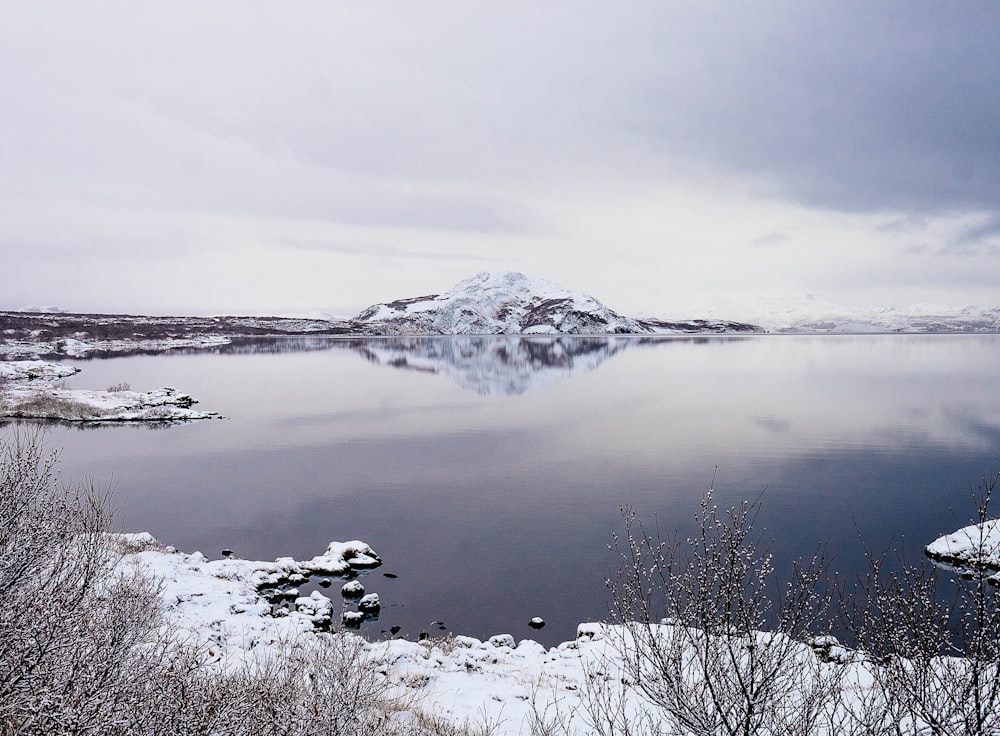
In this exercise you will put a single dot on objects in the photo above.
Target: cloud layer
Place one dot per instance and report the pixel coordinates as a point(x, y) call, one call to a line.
point(663, 156)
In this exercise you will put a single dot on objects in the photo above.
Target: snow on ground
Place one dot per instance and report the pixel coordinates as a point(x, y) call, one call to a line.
point(228, 609)
point(242, 610)
point(31, 370)
point(72, 347)
point(977, 545)
point(28, 390)
point(233, 606)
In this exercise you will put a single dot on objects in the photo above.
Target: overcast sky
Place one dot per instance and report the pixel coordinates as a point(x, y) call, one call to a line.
point(666, 157)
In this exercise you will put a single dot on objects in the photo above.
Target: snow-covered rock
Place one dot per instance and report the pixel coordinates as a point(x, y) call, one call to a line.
point(343, 557)
point(79, 405)
point(352, 590)
point(503, 640)
point(317, 608)
point(370, 603)
point(503, 303)
point(977, 545)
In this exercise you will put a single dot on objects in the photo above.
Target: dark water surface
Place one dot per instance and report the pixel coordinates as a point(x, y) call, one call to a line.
point(489, 472)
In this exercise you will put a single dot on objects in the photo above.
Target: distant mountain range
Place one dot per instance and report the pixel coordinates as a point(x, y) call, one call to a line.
point(485, 304)
point(810, 317)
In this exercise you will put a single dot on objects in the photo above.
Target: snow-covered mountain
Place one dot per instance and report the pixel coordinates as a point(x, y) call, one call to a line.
point(504, 303)
point(811, 315)
point(512, 303)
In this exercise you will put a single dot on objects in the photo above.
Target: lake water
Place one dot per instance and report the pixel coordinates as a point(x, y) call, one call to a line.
point(489, 472)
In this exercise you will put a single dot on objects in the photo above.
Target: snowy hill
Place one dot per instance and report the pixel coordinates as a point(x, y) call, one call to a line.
point(490, 304)
point(512, 303)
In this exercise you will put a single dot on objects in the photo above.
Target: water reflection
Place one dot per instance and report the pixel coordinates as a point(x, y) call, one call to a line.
point(486, 364)
point(506, 365)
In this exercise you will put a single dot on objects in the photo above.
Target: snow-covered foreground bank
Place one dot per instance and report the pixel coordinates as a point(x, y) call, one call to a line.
point(229, 609)
point(29, 389)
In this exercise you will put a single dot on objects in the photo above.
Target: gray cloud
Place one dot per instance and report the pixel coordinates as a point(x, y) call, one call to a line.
point(381, 250)
point(770, 240)
point(848, 105)
point(981, 239)
point(457, 118)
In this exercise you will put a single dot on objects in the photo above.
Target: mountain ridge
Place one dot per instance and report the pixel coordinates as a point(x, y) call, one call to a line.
point(510, 303)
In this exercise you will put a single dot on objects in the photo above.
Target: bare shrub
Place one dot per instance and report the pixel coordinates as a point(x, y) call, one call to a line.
point(72, 625)
point(933, 645)
point(711, 639)
point(48, 405)
point(315, 685)
point(712, 645)
point(117, 388)
point(320, 685)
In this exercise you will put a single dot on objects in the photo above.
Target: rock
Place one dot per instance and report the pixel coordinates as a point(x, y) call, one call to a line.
point(370, 603)
point(352, 619)
point(317, 608)
point(503, 640)
point(353, 589)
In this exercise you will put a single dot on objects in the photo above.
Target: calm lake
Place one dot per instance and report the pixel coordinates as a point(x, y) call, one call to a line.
point(489, 472)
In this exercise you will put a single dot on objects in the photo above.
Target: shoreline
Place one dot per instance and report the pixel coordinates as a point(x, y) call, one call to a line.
point(30, 390)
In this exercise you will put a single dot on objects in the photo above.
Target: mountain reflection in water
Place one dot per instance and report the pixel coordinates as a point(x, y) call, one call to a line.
point(507, 365)
point(504, 365)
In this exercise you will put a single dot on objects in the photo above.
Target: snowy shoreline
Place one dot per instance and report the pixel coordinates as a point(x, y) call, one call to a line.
point(30, 389)
point(228, 608)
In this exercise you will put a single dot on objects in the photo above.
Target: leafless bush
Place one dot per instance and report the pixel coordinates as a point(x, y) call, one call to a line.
point(712, 645)
point(933, 644)
point(116, 388)
point(72, 625)
point(709, 637)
